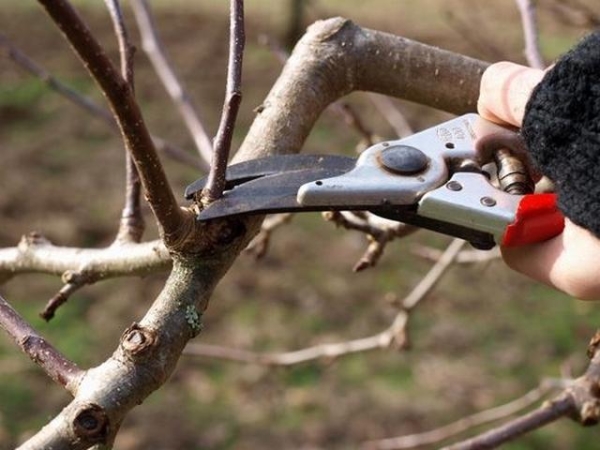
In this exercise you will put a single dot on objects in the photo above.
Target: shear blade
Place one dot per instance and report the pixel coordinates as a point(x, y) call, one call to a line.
point(269, 194)
point(244, 172)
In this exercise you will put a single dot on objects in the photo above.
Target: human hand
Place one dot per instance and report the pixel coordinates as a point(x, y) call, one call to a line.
point(569, 261)
point(504, 90)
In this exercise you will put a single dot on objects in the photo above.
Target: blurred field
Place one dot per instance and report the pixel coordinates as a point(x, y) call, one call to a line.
point(483, 337)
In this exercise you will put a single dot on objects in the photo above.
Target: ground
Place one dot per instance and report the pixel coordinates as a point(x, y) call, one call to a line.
point(483, 337)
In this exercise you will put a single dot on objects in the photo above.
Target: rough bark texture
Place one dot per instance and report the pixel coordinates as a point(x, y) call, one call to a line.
point(335, 58)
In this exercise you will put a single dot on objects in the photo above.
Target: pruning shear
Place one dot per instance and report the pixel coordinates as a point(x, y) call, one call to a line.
point(467, 178)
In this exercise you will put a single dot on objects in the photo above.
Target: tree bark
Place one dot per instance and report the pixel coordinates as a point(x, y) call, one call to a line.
point(334, 58)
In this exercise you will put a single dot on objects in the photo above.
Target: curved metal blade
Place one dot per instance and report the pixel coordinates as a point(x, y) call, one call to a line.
point(269, 194)
point(249, 170)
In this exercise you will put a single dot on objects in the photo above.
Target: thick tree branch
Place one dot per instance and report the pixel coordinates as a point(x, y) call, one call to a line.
point(336, 57)
point(124, 106)
point(55, 364)
point(35, 254)
point(145, 358)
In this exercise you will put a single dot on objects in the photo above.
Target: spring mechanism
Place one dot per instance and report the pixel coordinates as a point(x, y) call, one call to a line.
point(513, 175)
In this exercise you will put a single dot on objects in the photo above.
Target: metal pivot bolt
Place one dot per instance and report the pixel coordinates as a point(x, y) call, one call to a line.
point(454, 186)
point(488, 201)
point(403, 160)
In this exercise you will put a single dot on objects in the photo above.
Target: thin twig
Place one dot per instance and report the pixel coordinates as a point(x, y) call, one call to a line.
point(58, 300)
point(434, 275)
point(472, 35)
point(379, 231)
point(260, 244)
point(466, 423)
point(468, 256)
point(55, 364)
point(126, 50)
point(25, 62)
point(574, 13)
point(215, 184)
point(131, 227)
point(532, 45)
point(73, 281)
point(395, 335)
point(354, 121)
point(547, 413)
point(579, 400)
point(285, 359)
point(155, 51)
point(390, 112)
point(126, 110)
point(84, 102)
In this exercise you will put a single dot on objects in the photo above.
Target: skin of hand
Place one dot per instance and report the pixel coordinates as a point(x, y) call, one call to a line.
point(568, 262)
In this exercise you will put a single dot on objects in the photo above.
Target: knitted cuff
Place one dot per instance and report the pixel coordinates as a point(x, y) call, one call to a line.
point(562, 130)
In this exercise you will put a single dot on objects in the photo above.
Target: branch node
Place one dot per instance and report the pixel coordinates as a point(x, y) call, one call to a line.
point(137, 341)
point(74, 280)
point(590, 413)
point(91, 424)
point(31, 239)
point(593, 345)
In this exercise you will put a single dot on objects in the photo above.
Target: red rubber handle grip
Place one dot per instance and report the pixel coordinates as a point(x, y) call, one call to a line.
point(537, 219)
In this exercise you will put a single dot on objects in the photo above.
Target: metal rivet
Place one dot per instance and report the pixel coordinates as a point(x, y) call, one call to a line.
point(454, 185)
point(488, 201)
point(404, 160)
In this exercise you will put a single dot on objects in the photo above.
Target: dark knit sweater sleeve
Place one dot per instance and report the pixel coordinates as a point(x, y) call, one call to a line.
point(562, 130)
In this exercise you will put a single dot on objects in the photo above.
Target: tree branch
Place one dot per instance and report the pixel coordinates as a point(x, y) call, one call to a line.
point(144, 360)
point(83, 102)
point(388, 109)
point(131, 227)
point(530, 33)
point(73, 282)
point(395, 335)
point(580, 400)
point(137, 139)
point(155, 51)
point(55, 364)
point(547, 413)
point(259, 245)
point(233, 97)
point(467, 423)
point(379, 231)
point(35, 253)
point(336, 57)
